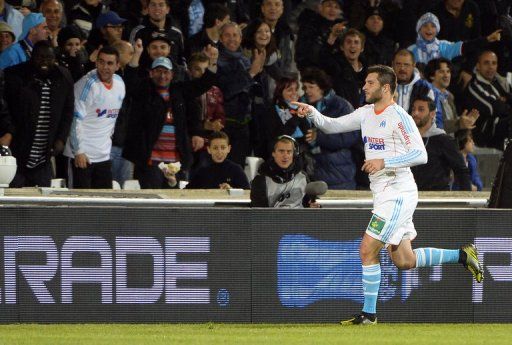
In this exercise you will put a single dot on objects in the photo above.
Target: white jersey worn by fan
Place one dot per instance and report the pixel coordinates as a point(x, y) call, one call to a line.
point(95, 115)
point(393, 136)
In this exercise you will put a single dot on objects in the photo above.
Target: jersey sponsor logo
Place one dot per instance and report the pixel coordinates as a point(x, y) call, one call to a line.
point(376, 224)
point(404, 133)
point(376, 144)
point(107, 113)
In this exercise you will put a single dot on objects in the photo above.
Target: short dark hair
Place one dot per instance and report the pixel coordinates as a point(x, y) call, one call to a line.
point(213, 12)
point(43, 46)
point(198, 57)
point(435, 64)
point(462, 136)
point(353, 32)
point(430, 102)
point(108, 50)
point(282, 84)
point(217, 135)
point(385, 75)
point(404, 52)
point(316, 76)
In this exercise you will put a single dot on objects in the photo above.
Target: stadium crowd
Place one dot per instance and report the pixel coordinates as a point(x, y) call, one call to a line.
point(94, 91)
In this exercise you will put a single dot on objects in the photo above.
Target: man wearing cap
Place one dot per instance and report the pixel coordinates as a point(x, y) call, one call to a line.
point(158, 20)
point(98, 98)
point(35, 29)
point(108, 29)
point(161, 121)
point(11, 16)
point(7, 37)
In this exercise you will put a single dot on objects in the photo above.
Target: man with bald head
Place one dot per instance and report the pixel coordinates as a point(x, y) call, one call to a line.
point(53, 11)
point(491, 95)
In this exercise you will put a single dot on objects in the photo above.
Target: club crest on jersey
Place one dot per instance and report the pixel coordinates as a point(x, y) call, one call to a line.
point(383, 124)
point(376, 144)
point(108, 113)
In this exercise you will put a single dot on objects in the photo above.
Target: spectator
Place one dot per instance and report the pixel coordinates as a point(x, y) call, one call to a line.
point(108, 29)
point(279, 120)
point(410, 84)
point(490, 94)
point(235, 79)
point(428, 47)
point(53, 11)
point(13, 17)
point(460, 20)
point(35, 29)
point(467, 147)
point(85, 13)
point(215, 17)
point(443, 154)
point(408, 18)
point(70, 51)
point(280, 182)
point(221, 172)
point(159, 21)
point(238, 9)
point(317, 33)
point(98, 99)
point(388, 9)
point(213, 117)
point(438, 71)
point(272, 14)
point(347, 67)
point(332, 152)
point(7, 36)
point(40, 99)
point(160, 122)
point(258, 39)
point(378, 47)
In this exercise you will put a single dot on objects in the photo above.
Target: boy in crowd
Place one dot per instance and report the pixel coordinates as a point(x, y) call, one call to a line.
point(221, 173)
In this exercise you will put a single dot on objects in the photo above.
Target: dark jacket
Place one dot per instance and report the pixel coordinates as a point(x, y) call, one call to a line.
point(147, 116)
point(235, 82)
point(347, 83)
point(213, 175)
point(378, 49)
point(443, 157)
point(311, 46)
point(84, 16)
point(146, 29)
point(22, 92)
point(333, 156)
point(198, 42)
point(464, 27)
point(277, 187)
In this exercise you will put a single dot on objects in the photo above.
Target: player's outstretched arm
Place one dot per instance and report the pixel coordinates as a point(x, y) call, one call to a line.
point(329, 125)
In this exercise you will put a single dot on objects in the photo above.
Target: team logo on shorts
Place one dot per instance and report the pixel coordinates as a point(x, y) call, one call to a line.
point(376, 224)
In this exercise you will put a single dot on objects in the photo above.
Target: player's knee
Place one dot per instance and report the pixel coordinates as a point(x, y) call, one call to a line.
point(404, 264)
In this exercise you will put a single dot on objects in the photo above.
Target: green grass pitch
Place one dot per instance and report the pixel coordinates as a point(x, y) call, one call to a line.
point(261, 334)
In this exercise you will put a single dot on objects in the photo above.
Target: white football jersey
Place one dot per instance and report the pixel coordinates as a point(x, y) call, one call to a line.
point(95, 115)
point(391, 135)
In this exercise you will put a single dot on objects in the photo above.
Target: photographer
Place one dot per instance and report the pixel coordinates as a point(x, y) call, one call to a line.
point(280, 182)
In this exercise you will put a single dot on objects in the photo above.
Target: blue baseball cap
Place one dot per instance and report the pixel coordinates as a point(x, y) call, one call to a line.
point(30, 21)
point(162, 62)
point(109, 18)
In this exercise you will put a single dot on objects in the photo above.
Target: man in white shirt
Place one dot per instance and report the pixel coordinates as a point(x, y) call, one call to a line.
point(98, 97)
point(392, 145)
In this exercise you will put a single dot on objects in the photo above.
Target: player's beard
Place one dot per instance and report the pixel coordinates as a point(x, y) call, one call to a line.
point(374, 97)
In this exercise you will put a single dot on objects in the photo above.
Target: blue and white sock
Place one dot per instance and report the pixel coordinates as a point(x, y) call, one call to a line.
point(426, 257)
point(371, 284)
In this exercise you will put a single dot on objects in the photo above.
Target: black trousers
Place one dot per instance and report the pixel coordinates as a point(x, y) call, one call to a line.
point(95, 176)
point(39, 176)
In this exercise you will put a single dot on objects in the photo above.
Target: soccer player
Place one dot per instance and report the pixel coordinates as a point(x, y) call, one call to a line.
point(392, 145)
